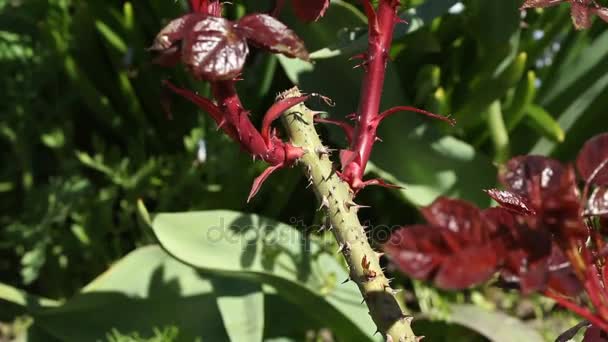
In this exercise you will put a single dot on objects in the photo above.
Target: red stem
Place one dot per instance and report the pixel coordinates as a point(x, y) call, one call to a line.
point(586, 314)
point(381, 27)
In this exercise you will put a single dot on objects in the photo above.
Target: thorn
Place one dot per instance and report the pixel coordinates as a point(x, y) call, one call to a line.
point(323, 150)
point(346, 280)
point(358, 56)
point(379, 254)
point(419, 338)
point(309, 183)
point(324, 203)
point(350, 204)
point(378, 139)
point(344, 248)
point(363, 301)
point(376, 333)
point(328, 101)
point(407, 319)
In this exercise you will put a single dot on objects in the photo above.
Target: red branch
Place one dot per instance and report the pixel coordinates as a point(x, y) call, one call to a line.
point(584, 313)
point(381, 26)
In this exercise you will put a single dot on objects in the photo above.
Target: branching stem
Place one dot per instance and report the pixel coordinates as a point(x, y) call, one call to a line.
point(336, 199)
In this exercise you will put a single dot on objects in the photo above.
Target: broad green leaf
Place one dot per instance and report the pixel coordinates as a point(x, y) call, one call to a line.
point(256, 248)
point(242, 308)
point(147, 289)
point(496, 326)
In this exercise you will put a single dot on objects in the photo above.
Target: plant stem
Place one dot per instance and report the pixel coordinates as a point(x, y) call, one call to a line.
point(381, 27)
point(337, 201)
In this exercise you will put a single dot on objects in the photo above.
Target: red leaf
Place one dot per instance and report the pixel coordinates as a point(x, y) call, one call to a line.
point(524, 173)
point(581, 14)
point(271, 34)
point(213, 50)
point(175, 31)
point(460, 248)
point(541, 3)
point(456, 216)
point(310, 10)
point(592, 160)
point(511, 201)
point(417, 250)
point(597, 205)
point(562, 278)
point(471, 266)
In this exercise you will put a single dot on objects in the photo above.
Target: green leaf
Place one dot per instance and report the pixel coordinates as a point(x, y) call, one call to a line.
point(147, 289)
point(242, 308)
point(543, 123)
point(496, 326)
point(22, 298)
point(256, 248)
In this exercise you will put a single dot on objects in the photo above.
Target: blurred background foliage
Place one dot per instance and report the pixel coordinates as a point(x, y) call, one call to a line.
point(85, 142)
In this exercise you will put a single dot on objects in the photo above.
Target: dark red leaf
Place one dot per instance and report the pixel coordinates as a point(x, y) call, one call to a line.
point(592, 160)
point(175, 32)
point(460, 248)
point(269, 33)
point(541, 3)
point(511, 201)
point(417, 250)
point(597, 205)
point(580, 11)
point(310, 10)
point(525, 173)
point(528, 250)
point(562, 278)
point(456, 216)
point(471, 266)
point(213, 50)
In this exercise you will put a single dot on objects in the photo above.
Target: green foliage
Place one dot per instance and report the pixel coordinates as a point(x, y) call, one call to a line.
point(84, 143)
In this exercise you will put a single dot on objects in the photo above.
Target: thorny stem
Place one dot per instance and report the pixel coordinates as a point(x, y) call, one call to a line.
point(337, 201)
point(583, 312)
point(381, 27)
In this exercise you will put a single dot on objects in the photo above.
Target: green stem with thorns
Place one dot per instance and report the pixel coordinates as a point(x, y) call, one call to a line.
point(336, 200)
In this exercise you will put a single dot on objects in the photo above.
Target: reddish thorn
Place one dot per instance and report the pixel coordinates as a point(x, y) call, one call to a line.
point(379, 182)
point(325, 99)
point(352, 116)
point(257, 183)
point(400, 20)
point(394, 110)
point(348, 129)
point(358, 56)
